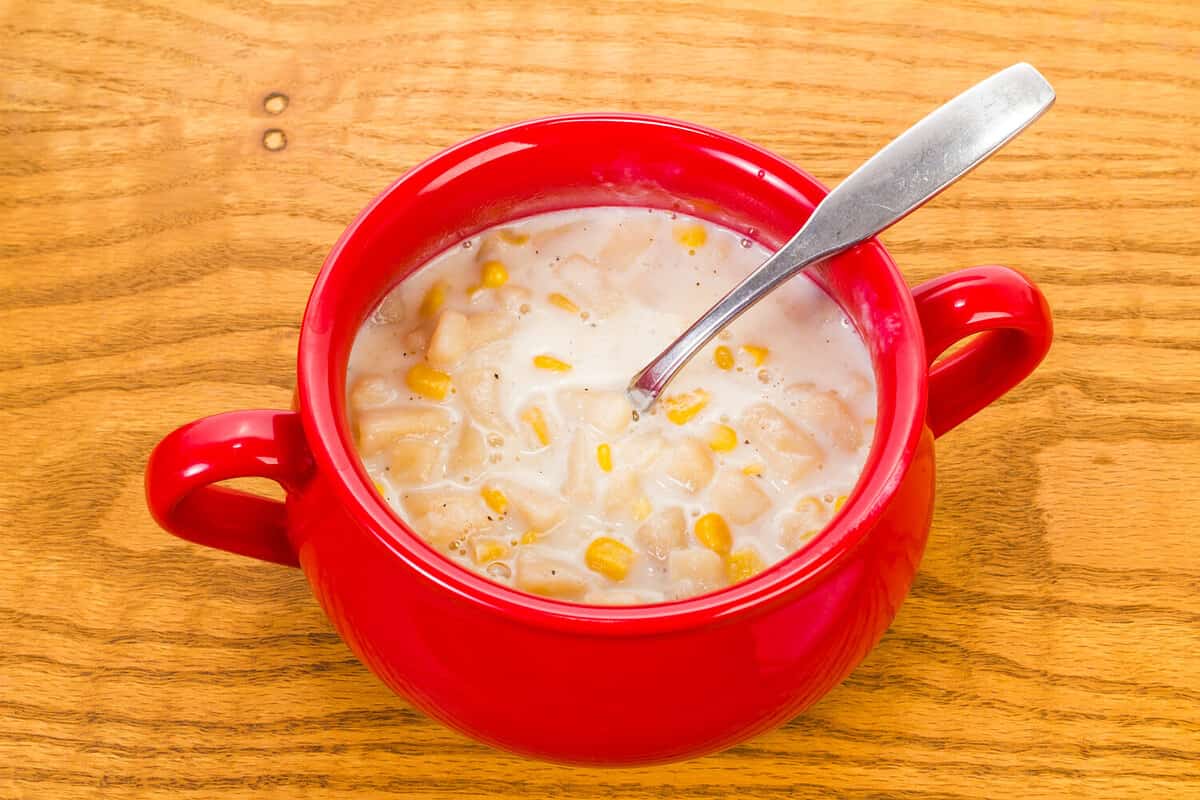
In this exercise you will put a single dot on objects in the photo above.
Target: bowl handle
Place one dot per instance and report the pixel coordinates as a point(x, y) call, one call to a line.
point(237, 444)
point(1014, 320)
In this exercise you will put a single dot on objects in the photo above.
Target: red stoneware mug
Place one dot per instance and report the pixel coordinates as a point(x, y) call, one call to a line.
point(575, 683)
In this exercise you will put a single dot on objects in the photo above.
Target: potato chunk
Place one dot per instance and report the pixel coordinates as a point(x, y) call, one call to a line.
point(489, 326)
point(738, 497)
point(541, 574)
point(825, 411)
point(469, 455)
point(580, 484)
point(663, 532)
point(541, 510)
point(413, 460)
point(689, 463)
point(694, 571)
point(371, 391)
point(789, 452)
point(378, 428)
point(625, 498)
point(609, 412)
point(450, 341)
point(444, 517)
point(480, 393)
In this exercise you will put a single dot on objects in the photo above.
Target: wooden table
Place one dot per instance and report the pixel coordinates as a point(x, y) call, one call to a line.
point(156, 253)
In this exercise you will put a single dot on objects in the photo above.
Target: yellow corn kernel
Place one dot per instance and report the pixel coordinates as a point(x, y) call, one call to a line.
point(609, 557)
point(759, 354)
point(428, 382)
point(512, 237)
point(563, 302)
point(752, 470)
point(379, 487)
point(723, 438)
point(837, 504)
point(682, 407)
point(495, 499)
point(529, 537)
point(691, 236)
point(742, 565)
point(642, 509)
point(495, 275)
point(869, 421)
point(713, 532)
point(534, 418)
point(551, 363)
point(485, 551)
point(723, 357)
point(434, 299)
point(604, 457)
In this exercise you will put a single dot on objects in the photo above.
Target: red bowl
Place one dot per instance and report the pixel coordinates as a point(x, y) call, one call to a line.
point(586, 684)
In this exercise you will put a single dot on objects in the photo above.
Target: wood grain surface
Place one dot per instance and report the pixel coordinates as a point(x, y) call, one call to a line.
point(156, 254)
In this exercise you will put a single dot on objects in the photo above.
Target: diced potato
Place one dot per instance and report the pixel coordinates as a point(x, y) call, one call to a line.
point(640, 452)
point(489, 326)
point(713, 532)
point(642, 509)
point(743, 564)
point(604, 457)
point(444, 517)
point(371, 391)
point(541, 574)
point(416, 340)
point(435, 298)
point(682, 407)
point(738, 497)
point(614, 597)
point(624, 496)
point(609, 412)
point(468, 457)
point(535, 419)
point(689, 463)
point(789, 452)
point(825, 411)
point(428, 382)
point(723, 357)
point(486, 549)
point(513, 298)
point(798, 527)
point(610, 557)
point(378, 428)
point(413, 460)
point(541, 510)
point(450, 341)
point(627, 242)
point(479, 390)
point(722, 438)
point(663, 532)
point(580, 485)
point(695, 570)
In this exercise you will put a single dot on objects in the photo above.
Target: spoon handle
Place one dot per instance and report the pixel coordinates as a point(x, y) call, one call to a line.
point(900, 178)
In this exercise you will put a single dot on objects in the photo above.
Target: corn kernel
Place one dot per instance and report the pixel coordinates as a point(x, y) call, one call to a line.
point(609, 557)
point(485, 551)
point(495, 499)
point(512, 237)
point(759, 354)
point(534, 418)
point(563, 302)
point(869, 421)
point(713, 532)
point(753, 470)
point(604, 457)
point(434, 299)
point(529, 537)
point(742, 565)
point(495, 275)
point(551, 363)
point(837, 504)
point(723, 357)
point(642, 509)
point(428, 382)
point(691, 236)
point(723, 438)
point(682, 407)
point(379, 487)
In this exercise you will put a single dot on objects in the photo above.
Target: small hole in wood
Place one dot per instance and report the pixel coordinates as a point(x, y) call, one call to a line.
point(274, 139)
point(275, 103)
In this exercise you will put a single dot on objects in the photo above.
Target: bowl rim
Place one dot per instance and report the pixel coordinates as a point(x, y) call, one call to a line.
point(892, 452)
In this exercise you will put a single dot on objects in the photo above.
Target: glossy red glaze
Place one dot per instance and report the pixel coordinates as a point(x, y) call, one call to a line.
point(580, 683)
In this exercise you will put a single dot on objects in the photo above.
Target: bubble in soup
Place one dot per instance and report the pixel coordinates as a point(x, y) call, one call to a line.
point(487, 396)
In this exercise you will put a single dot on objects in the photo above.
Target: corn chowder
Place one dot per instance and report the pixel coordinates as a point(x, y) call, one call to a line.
point(487, 396)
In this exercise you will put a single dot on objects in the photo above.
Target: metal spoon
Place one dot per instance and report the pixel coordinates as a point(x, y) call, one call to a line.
point(900, 178)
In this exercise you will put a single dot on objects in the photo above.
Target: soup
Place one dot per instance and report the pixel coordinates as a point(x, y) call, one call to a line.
point(487, 397)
